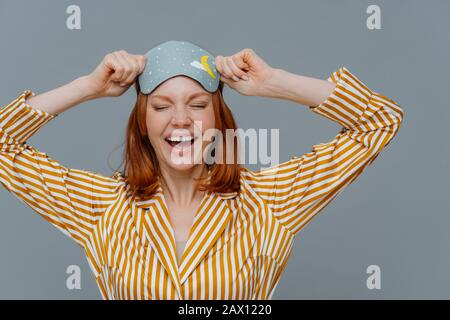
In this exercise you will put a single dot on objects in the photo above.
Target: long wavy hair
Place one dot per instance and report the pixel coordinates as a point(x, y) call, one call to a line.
point(142, 171)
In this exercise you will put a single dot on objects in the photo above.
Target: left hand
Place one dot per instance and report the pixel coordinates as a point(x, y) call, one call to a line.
point(234, 70)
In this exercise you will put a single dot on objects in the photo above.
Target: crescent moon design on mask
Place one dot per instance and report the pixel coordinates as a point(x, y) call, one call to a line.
point(204, 66)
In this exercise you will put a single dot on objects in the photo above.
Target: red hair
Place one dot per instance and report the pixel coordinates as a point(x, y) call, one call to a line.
point(142, 170)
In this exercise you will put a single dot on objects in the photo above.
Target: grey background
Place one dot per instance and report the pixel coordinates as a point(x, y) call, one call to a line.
point(396, 215)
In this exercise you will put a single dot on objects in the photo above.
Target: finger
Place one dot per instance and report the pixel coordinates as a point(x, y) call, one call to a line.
point(134, 71)
point(238, 59)
point(226, 69)
point(133, 74)
point(219, 63)
point(142, 60)
point(226, 80)
point(237, 73)
point(222, 78)
point(114, 66)
point(124, 59)
point(117, 66)
point(241, 65)
point(109, 62)
point(248, 55)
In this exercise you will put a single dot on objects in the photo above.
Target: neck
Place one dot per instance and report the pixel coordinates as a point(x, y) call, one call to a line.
point(179, 187)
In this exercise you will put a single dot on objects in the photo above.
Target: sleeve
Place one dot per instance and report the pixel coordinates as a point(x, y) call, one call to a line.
point(300, 188)
point(72, 200)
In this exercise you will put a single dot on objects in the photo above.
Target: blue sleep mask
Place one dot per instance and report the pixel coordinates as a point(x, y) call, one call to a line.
point(173, 58)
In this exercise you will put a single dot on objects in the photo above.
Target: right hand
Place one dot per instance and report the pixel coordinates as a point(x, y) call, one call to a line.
point(116, 73)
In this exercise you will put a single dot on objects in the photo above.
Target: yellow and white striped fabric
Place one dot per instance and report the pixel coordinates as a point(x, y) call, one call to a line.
point(239, 243)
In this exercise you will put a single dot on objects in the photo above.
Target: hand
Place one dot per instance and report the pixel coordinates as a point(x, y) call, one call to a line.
point(115, 74)
point(244, 72)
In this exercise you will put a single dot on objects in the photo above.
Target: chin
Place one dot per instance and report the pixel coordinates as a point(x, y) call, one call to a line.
point(181, 163)
point(182, 166)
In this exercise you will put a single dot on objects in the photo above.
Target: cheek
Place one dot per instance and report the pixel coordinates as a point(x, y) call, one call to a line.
point(155, 127)
point(207, 119)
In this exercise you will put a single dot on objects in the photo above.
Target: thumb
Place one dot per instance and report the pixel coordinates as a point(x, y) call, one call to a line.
point(228, 82)
point(225, 79)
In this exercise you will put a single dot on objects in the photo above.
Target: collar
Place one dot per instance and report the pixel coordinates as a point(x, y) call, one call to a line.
point(145, 203)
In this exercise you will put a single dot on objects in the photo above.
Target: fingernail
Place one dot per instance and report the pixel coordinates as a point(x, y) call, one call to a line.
point(235, 78)
point(244, 77)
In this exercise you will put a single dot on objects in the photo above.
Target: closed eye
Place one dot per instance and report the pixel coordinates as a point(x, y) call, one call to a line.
point(163, 107)
point(159, 108)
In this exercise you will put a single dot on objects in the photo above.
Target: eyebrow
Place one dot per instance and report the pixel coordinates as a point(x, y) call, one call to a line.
point(194, 95)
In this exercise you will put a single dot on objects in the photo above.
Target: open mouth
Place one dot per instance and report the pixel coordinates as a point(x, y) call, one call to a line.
point(181, 143)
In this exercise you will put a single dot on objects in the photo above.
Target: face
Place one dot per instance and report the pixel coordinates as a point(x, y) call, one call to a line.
point(178, 112)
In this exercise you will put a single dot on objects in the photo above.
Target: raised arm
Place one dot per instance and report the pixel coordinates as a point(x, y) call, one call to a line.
point(112, 77)
point(73, 200)
point(300, 188)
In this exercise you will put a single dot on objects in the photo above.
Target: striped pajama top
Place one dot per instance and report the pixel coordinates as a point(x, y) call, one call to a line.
point(239, 243)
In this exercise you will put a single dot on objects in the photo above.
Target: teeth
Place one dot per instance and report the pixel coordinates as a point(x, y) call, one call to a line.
point(180, 139)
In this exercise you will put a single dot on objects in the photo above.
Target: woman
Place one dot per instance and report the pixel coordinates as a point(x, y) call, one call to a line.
point(233, 229)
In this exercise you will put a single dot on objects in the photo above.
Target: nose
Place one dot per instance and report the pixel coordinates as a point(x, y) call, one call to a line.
point(181, 117)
